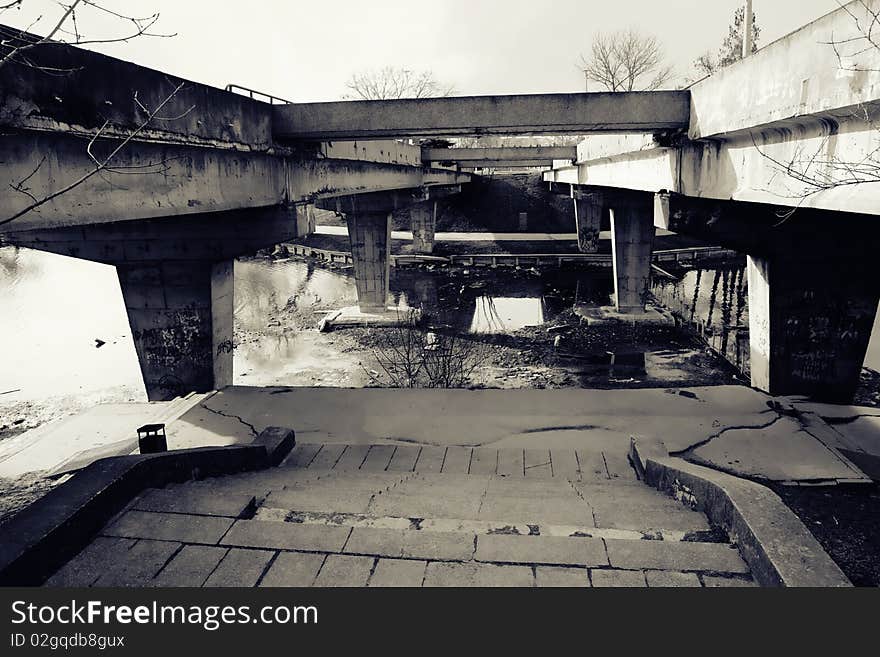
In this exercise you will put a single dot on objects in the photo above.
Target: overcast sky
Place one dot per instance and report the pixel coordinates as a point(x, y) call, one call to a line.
point(305, 50)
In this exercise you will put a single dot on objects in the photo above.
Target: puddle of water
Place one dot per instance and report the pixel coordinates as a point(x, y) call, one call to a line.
point(505, 315)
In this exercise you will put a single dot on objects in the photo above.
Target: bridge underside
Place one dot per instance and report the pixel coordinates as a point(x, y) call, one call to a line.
point(230, 175)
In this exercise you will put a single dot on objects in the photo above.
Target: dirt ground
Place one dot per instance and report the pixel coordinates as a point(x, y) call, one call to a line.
point(846, 522)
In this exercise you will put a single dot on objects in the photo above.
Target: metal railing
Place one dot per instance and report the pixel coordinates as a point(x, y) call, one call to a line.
point(253, 93)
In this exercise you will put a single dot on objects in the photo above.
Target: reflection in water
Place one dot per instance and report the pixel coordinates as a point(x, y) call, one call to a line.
point(504, 315)
point(719, 314)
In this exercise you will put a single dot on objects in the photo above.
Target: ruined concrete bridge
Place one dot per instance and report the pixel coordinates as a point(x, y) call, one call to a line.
point(206, 175)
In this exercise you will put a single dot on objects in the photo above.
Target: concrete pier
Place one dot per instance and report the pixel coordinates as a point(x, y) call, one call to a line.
point(424, 225)
point(588, 210)
point(176, 276)
point(370, 235)
point(632, 243)
point(810, 323)
point(181, 317)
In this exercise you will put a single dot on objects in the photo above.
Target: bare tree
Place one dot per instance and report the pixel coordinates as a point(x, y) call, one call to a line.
point(412, 357)
point(17, 48)
point(731, 50)
point(394, 82)
point(626, 61)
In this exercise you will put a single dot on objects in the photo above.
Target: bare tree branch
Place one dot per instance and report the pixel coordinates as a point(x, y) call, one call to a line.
point(13, 45)
point(99, 164)
point(809, 173)
point(395, 82)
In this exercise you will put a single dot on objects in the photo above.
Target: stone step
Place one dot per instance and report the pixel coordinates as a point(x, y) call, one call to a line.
point(578, 465)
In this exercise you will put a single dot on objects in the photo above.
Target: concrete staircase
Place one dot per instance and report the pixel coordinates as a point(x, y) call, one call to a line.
point(408, 515)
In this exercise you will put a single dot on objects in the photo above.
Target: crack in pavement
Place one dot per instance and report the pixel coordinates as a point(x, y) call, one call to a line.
point(688, 451)
point(231, 416)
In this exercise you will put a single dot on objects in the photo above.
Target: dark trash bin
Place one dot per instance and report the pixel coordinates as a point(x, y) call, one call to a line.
point(151, 439)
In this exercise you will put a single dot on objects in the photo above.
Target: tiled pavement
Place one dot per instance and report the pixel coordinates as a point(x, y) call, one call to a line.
point(385, 515)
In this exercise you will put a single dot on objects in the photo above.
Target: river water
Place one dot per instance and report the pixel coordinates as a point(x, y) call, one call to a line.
point(64, 331)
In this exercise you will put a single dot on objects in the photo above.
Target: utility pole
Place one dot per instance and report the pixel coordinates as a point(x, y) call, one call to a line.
point(748, 42)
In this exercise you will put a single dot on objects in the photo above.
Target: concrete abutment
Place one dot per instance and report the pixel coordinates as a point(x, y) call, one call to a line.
point(810, 322)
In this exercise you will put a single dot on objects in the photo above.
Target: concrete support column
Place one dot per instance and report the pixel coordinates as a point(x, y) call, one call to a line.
point(588, 209)
point(810, 322)
point(632, 243)
point(181, 317)
point(423, 217)
point(370, 236)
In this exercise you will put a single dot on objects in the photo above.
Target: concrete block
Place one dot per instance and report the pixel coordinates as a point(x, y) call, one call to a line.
point(411, 544)
point(477, 574)
point(352, 458)
point(302, 455)
point(537, 464)
point(552, 576)
point(240, 568)
point(430, 459)
point(137, 566)
point(404, 459)
point(545, 510)
point(679, 556)
point(502, 548)
point(86, 567)
point(286, 536)
point(421, 505)
point(711, 581)
point(484, 461)
point(667, 579)
point(458, 460)
point(345, 570)
point(189, 567)
point(565, 463)
point(592, 465)
point(208, 500)
point(647, 516)
point(398, 573)
point(378, 458)
point(510, 463)
point(306, 499)
point(327, 457)
point(293, 569)
point(169, 527)
point(278, 442)
point(618, 578)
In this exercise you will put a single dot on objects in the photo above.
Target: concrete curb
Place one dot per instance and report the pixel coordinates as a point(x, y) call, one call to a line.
point(44, 536)
point(777, 546)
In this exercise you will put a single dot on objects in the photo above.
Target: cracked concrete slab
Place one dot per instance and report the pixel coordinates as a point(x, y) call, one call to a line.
point(779, 451)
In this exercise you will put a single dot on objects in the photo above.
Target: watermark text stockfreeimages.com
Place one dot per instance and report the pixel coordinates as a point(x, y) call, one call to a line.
point(210, 617)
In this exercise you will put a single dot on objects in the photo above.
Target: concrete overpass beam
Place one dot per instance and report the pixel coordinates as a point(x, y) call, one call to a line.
point(423, 217)
point(588, 211)
point(181, 317)
point(810, 322)
point(632, 243)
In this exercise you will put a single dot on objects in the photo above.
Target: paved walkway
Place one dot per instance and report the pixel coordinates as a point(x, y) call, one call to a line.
point(408, 515)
